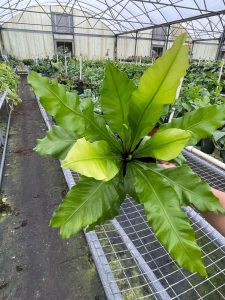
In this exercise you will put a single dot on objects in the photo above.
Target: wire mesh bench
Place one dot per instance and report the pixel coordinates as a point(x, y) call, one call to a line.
point(168, 280)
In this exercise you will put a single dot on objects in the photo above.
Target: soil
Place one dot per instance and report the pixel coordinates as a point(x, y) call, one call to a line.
point(35, 262)
point(5, 208)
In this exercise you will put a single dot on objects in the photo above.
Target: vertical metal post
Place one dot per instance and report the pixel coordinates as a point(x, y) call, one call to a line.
point(150, 54)
point(65, 63)
point(5, 148)
point(2, 48)
point(167, 38)
point(135, 48)
point(115, 47)
point(193, 44)
point(220, 46)
point(52, 30)
point(81, 68)
point(221, 71)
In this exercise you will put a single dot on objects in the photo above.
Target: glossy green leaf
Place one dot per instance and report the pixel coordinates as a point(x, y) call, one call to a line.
point(115, 98)
point(66, 109)
point(59, 103)
point(157, 87)
point(57, 142)
point(99, 131)
point(169, 222)
point(201, 122)
point(165, 145)
point(85, 203)
point(110, 214)
point(92, 160)
point(190, 187)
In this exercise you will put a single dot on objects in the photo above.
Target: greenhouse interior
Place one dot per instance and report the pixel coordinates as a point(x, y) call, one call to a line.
point(112, 149)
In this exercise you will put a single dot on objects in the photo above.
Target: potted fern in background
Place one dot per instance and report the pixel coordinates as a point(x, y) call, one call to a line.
point(115, 157)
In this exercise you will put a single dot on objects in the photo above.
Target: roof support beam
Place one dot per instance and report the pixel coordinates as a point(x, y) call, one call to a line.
point(175, 5)
point(220, 46)
point(205, 40)
point(113, 14)
point(202, 16)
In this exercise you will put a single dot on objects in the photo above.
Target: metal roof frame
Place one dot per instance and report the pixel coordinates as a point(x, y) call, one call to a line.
point(203, 19)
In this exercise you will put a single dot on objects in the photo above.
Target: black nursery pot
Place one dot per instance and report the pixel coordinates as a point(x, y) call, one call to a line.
point(222, 155)
point(199, 143)
point(207, 146)
point(80, 87)
point(80, 90)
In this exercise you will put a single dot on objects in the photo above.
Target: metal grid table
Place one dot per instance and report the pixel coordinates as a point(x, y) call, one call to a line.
point(4, 115)
point(174, 282)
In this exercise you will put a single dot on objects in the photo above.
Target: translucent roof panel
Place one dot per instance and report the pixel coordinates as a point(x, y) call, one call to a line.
point(123, 16)
point(207, 28)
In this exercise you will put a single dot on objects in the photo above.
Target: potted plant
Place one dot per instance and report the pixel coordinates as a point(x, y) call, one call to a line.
point(8, 82)
point(207, 145)
point(21, 69)
point(219, 141)
point(114, 155)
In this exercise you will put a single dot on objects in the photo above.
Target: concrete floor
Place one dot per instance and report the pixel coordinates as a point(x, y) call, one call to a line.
point(35, 263)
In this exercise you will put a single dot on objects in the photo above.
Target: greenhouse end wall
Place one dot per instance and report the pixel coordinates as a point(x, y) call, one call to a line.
point(205, 50)
point(23, 40)
point(31, 35)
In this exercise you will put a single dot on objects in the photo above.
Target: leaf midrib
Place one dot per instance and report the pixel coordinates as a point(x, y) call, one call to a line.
point(82, 116)
point(154, 95)
point(174, 183)
point(165, 212)
point(121, 109)
point(95, 190)
point(149, 147)
point(108, 157)
point(66, 141)
point(196, 124)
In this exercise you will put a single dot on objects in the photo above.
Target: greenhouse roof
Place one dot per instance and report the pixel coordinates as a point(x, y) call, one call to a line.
point(204, 19)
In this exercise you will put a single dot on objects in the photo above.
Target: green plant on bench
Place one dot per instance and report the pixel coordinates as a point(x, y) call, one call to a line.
point(115, 157)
